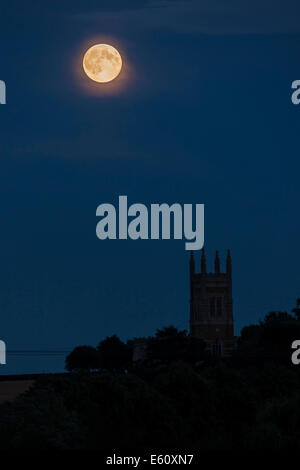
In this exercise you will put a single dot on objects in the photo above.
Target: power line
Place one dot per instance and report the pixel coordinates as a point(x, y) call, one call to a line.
point(38, 352)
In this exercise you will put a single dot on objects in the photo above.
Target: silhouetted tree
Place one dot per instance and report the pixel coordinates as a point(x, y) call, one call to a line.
point(169, 344)
point(296, 310)
point(82, 358)
point(271, 339)
point(170, 332)
point(114, 354)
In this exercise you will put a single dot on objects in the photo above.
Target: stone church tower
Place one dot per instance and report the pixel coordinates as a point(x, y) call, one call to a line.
point(211, 310)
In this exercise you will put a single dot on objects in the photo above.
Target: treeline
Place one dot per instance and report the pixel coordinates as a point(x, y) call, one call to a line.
point(176, 398)
point(112, 354)
point(269, 340)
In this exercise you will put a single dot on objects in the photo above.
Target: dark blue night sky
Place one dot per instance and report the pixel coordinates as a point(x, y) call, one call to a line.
point(205, 116)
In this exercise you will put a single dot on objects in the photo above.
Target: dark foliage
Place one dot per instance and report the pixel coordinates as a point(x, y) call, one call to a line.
point(170, 345)
point(219, 407)
point(270, 340)
point(114, 354)
point(249, 402)
point(82, 358)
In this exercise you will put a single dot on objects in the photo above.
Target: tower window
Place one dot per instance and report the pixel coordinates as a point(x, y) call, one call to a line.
point(217, 349)
point(212, 307)
point(216, 306)
point(219, 306)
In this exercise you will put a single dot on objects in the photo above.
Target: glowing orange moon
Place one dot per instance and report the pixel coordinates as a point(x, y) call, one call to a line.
point(102, 63)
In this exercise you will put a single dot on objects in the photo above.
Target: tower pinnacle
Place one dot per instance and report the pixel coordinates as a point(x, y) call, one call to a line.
point(217, 263)
point(228, 263)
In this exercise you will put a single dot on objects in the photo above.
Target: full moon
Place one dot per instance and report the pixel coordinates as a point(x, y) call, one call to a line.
point(102, 63)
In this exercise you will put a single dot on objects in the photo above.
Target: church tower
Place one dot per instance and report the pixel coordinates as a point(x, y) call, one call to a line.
point(211, 309)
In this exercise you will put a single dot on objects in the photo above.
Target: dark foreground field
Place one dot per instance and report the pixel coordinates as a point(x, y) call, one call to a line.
point(216, 408)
